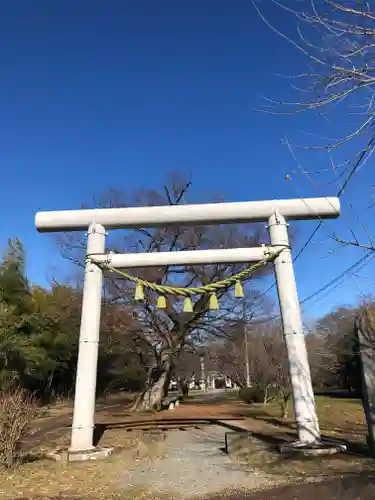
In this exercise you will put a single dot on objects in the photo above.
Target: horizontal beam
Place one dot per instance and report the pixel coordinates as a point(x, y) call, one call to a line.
point(192, 257)
point(210, 213)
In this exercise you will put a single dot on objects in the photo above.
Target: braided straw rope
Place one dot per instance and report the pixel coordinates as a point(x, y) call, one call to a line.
point(197, 290)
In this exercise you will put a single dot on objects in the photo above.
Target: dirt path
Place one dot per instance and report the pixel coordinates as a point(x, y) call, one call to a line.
point(115, 412)
point(187, 462)
point(351, 487)
point(193, 463)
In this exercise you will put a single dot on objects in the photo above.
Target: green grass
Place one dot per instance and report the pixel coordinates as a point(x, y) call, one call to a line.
point(338, 417)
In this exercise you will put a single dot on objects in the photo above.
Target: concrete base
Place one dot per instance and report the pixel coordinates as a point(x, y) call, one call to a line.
point(313, 449)
point(243, 443)
point(64, 455)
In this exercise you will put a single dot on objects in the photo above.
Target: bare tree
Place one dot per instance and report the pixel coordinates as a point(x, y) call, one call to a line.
point(268, 361)
point(337, 85)
point(227, 355)
point(231, 354)
point(269, 365)
point(365, 343)
point(167, 331)
point(187, 368)
point(332, 351)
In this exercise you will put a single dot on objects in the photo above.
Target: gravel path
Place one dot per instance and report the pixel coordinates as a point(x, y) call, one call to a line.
point(193, 465)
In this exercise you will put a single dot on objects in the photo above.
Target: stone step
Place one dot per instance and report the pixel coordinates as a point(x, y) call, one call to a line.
point(240, 444)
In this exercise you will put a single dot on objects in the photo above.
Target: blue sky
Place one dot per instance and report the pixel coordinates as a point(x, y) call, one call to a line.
point(99, 94)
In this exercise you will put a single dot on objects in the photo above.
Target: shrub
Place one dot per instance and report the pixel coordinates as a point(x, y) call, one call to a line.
point(252, 395)
point(17, 410)
point(255, 394)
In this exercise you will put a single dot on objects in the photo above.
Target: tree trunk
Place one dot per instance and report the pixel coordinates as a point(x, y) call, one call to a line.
point(184, 387)
point(156, 389)
point(285, 396)
point(265, 400)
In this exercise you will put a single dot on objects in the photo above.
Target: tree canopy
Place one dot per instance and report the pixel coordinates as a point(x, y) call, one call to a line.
point(143, 347)
point(39, 335)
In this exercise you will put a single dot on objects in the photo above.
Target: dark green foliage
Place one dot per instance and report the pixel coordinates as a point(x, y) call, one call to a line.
point(39, 331)
point(250, 395)
point(14, 286)
point(350, 363)
point(341, 366)
point(255, 394)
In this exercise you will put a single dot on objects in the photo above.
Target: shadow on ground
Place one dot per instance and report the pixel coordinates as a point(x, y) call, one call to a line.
point(360, 486)
point(159, 424)
point(353, 447)
point(338, 394)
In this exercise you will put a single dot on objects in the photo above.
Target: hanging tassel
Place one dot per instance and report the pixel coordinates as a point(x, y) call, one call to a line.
point(214, 304)
point(162, 302)
point(238, 290)
point(139, 292)
point(188, 305)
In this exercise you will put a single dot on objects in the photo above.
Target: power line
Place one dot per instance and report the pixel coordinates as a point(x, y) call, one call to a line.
point(303, 248)
point(356, 165)
point(308, 241)
point(364, 259)
point(320, 223)
point(351, 268)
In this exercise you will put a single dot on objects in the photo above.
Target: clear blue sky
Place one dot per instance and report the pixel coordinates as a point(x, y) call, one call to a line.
point(98, 94)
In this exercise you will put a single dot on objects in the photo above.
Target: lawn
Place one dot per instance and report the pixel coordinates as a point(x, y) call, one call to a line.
point(39, 478)
point(342, 418)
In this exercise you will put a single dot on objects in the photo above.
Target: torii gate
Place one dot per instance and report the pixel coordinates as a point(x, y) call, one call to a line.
point(275, 212)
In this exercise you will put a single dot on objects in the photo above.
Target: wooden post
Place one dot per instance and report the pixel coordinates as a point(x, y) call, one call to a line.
point(367, 356)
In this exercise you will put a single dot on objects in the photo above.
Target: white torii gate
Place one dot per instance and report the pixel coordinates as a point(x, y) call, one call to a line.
point(276, 212)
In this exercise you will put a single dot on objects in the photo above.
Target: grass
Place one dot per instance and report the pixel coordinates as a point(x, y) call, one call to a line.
point(338, 417)
point(43, 479)
point(341, 419)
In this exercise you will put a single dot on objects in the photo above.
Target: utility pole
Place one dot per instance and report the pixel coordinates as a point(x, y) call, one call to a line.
point(203, 375)
point(248, 380)
point(247, 364)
